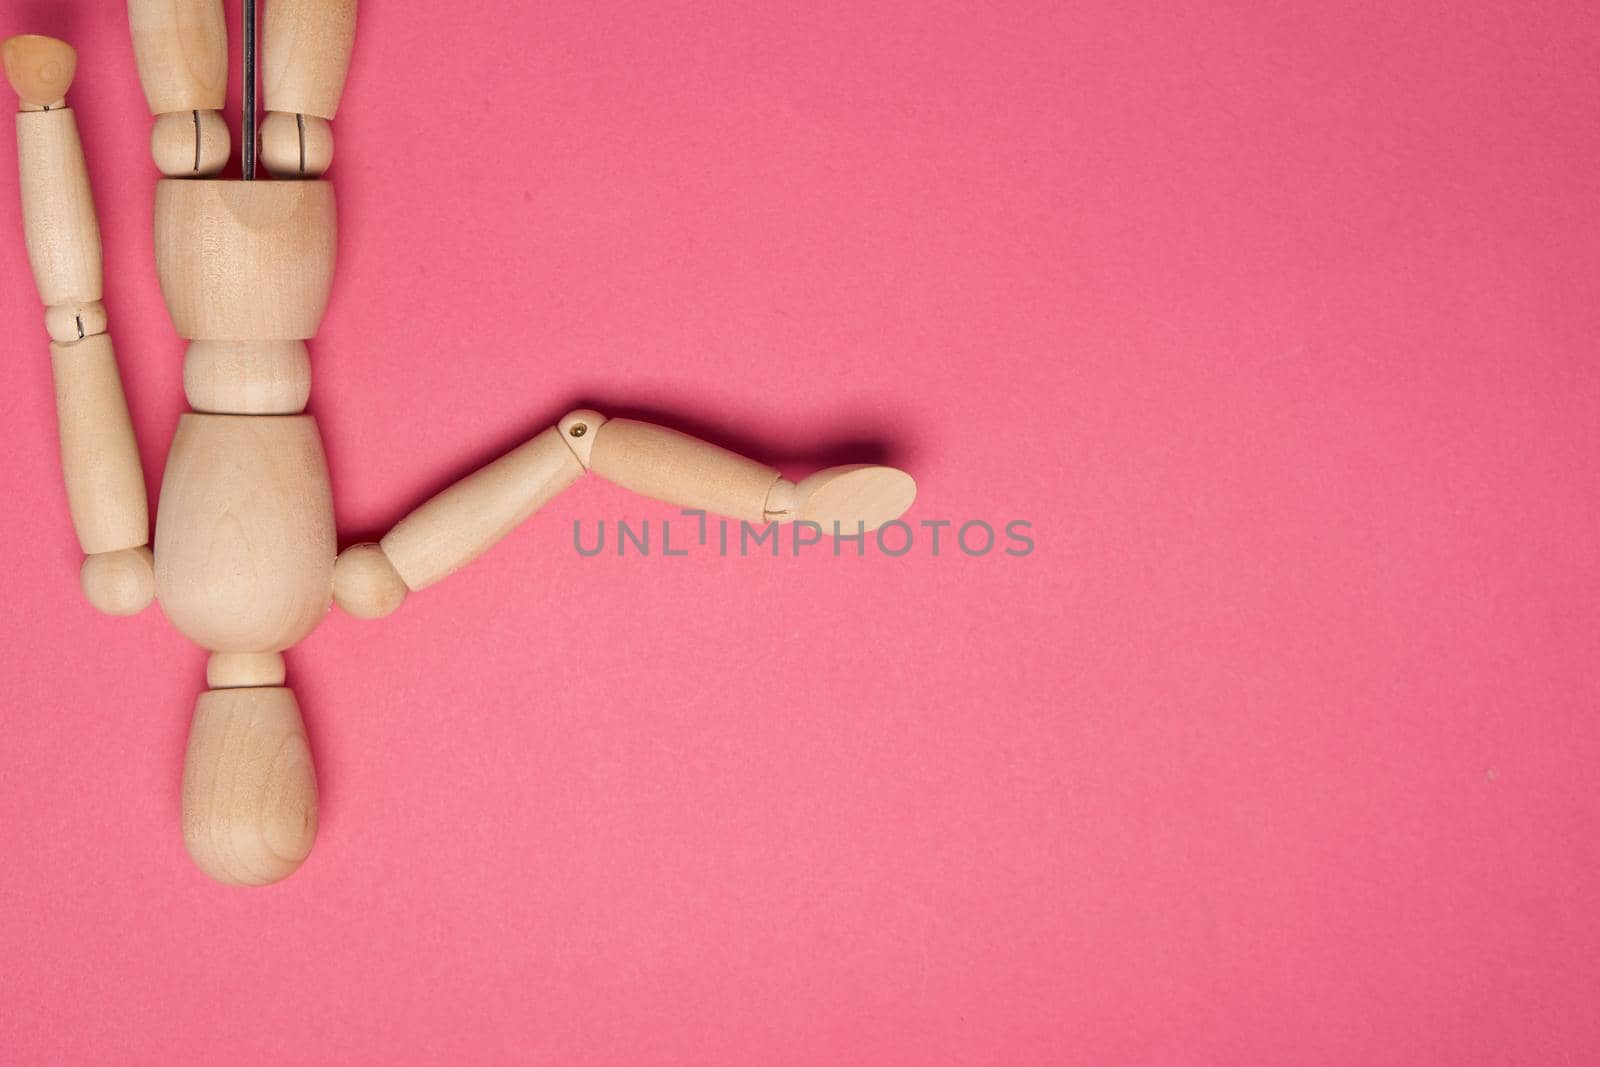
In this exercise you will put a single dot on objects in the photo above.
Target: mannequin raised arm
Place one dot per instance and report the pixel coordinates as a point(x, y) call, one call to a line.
point(99, 457)
point(459, 524)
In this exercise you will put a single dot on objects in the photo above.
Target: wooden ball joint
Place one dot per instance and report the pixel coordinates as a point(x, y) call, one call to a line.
point(244, 557)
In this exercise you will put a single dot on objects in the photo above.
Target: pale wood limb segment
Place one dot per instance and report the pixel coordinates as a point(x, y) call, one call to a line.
point(99, 455)
point(190, 144)
point(845, 500)
point(454, 527)
point(58, 218)
point(467, 519)
point(673, 467)
point(460, 524)
point(306, 54)
point(121, 582)
point(296, 146)
point(181, 47)
point(365, 583)
point(305, 57)
point(666, 465)
point(249, 788)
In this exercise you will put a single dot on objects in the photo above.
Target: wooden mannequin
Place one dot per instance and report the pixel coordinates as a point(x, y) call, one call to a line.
point(244, 560)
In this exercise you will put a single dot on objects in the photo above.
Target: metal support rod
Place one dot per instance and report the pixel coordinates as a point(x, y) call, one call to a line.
point(247, 128)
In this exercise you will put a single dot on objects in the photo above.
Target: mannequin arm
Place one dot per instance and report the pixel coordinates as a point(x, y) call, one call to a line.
point(464, 521)
point(99, 457)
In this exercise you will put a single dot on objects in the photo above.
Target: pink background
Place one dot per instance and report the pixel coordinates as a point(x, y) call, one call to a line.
point(1278, 321)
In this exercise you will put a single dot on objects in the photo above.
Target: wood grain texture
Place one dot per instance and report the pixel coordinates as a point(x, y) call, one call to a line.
point(305, 54)
point(296, 146)
point(856, 497)
point(464, 521)
point(667, 465)
point(578, 431)
point(245, 261)
point(190, 144)
point(245, 670)
point(75, 321)
point(247, 377)
point(58, 219)
point(365, 583)
point(181, 47)
point(121, 582)
point(249, 787)
point(244, 532)
point(99, 456)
